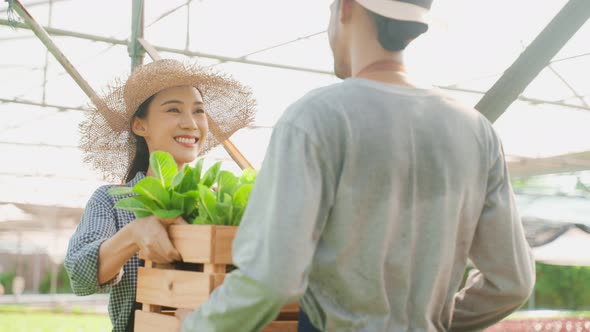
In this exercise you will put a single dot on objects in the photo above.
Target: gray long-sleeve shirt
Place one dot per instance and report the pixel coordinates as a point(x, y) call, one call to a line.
point(369, 203)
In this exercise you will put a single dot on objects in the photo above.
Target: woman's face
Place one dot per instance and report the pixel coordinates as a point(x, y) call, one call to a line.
point(175, 123)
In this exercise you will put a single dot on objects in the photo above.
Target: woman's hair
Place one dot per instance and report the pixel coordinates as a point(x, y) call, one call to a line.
point(395, 35)
point(141, 160)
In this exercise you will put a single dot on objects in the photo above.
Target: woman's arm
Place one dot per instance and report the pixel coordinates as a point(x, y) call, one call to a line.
point(97, 251)
point(97, 225)
point(115, 252)
point(146, 234)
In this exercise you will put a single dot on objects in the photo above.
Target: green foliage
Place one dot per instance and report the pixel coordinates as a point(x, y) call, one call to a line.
point(562, 287)
point(63, 282)
point(6, 279)
point(559, 287)
point(188, 193)
point(52, 322)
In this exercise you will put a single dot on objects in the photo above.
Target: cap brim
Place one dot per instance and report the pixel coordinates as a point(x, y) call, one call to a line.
point(397, 10)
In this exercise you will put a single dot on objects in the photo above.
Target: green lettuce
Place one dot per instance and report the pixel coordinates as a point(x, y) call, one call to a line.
point(214, 197)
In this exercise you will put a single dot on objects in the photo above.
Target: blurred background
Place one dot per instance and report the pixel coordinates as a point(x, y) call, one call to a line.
point(280, 49)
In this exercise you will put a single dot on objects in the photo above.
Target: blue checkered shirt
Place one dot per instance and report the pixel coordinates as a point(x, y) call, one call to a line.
point(99, 222)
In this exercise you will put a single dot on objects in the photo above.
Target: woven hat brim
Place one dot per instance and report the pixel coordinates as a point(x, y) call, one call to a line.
point(107, 142)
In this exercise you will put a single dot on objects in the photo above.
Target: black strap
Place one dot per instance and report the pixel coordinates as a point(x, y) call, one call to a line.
point(131, 319)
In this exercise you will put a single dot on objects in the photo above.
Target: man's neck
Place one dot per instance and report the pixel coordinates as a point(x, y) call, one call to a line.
point(386, 70)
point(367, 52)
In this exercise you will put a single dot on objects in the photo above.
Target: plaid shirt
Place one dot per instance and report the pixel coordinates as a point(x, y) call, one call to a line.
point(101, 221)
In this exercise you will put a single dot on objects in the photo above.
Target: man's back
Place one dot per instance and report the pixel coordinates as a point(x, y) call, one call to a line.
point(370, 200)
point(415, 194)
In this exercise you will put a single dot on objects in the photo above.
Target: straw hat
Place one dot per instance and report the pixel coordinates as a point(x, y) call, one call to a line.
point(107, 140)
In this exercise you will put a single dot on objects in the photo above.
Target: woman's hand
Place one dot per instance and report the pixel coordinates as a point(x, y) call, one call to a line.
point(152, 239)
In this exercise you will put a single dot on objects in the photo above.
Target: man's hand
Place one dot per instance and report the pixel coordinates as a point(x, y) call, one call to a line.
point(181, 314)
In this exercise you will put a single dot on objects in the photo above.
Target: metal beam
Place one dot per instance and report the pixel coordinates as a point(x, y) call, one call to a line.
point(166, 14)
point(66, 33)
point(568, 85)
point(136, 52)
point(124, 42)
point(187, 41)
point(46, 66)
point(298, 39)
point(525, 167)
point(521, 98)
point(34, 4)
point(115, 41)
point(40, 145)
point(536, 57)
point(43, 36)
point(16, 38)
point(570, 57)
point(150, 49)
point(33, 103)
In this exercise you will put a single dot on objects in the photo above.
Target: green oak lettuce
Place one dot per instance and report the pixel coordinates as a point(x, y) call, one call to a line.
point(189, 193)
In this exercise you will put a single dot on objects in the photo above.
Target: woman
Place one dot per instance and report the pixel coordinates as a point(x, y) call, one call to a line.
point(163, 106)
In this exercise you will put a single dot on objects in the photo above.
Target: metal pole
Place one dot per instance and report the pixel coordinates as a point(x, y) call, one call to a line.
point(34, 4)
point(233, 151)
point(136, 52)
point(46, 66)
point(115, 122)
point(28, 102)
point(521, 98)
point(60, 32)
point(67, 33)
point(188, 25)
point(536, 57)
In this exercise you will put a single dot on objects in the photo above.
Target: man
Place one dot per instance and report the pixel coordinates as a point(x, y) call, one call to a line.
point(373, 195)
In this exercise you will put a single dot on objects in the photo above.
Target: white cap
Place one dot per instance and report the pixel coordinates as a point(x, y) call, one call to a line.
point(405, 10)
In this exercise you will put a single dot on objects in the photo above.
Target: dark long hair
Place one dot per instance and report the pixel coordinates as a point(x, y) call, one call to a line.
point(141, 160)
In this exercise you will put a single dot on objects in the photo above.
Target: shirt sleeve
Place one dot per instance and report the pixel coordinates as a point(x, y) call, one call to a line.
point(81, 262)
point(277, 239)
point(505, 268)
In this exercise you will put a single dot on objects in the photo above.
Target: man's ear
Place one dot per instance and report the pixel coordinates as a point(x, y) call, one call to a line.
point(139, 127)
point(345, 10)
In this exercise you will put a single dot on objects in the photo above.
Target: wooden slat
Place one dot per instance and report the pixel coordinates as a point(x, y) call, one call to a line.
point(286, 326)
point(170, 288)
point(222, 245)
point(194, 242)
point(291, 307)
point(150, 322)
point(203, 243)
point(217, 280)
point(151, 307)
point(289, 312)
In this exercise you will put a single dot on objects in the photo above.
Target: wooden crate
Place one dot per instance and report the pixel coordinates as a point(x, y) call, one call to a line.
point(206, 252)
